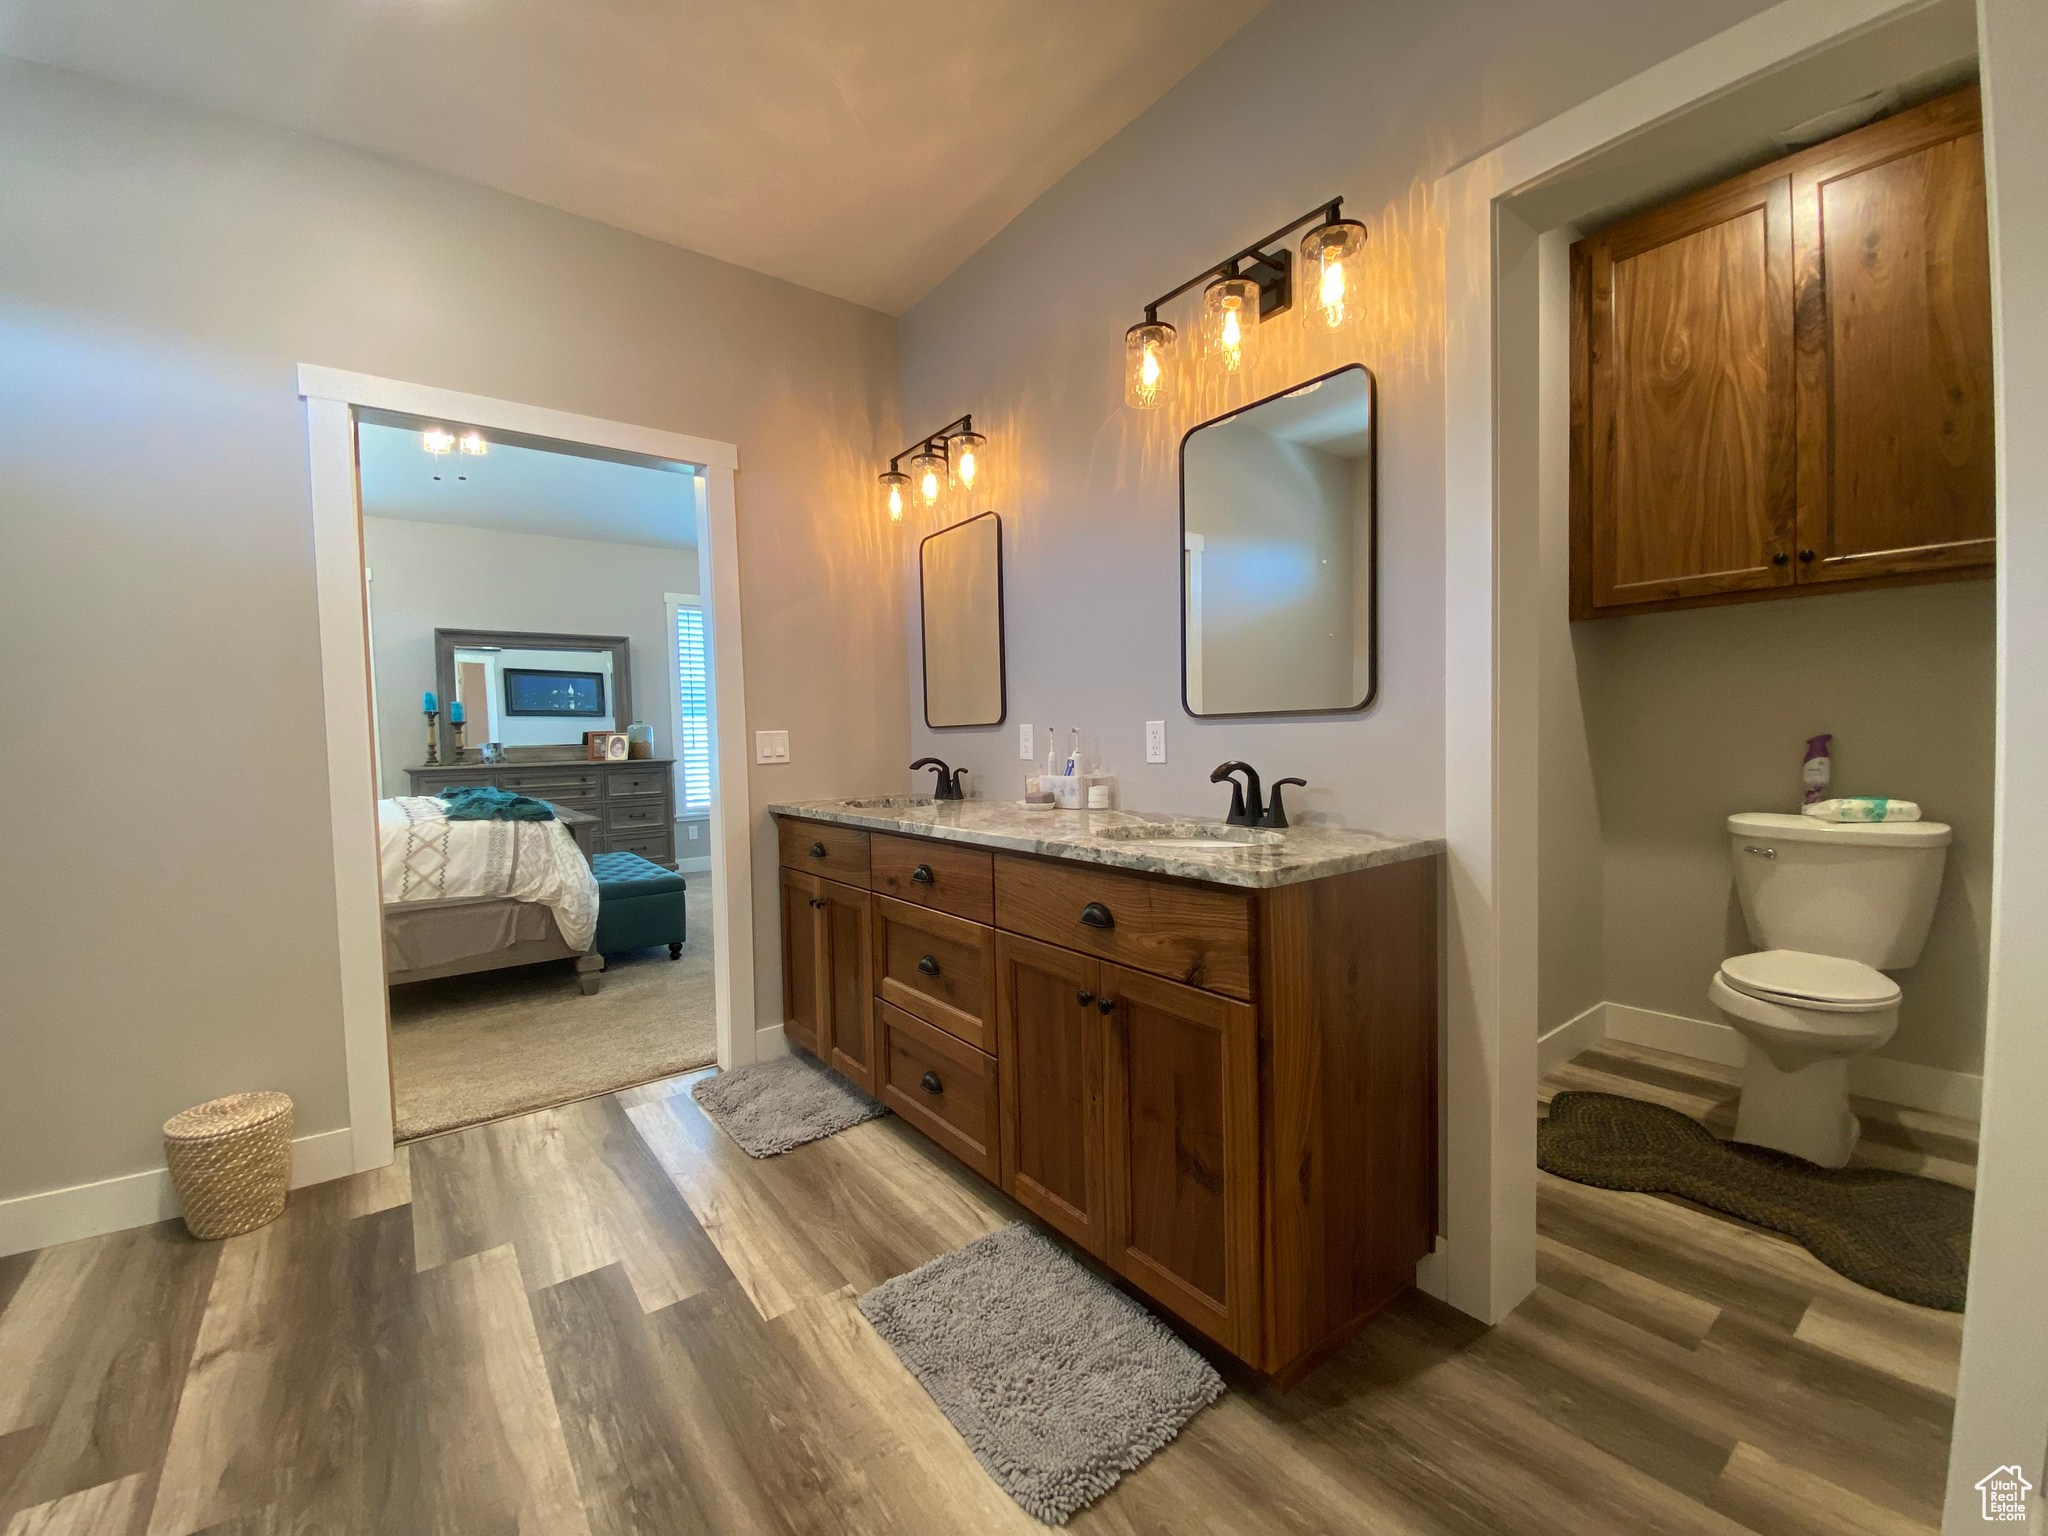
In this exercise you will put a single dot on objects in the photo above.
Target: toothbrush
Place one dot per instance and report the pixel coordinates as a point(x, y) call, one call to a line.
point(1074, 751)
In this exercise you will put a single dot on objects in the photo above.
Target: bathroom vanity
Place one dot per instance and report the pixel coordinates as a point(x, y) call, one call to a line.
point(1204, 1053)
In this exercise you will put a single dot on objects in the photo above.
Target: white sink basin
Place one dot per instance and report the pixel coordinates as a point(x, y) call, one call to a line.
point(1205, 836)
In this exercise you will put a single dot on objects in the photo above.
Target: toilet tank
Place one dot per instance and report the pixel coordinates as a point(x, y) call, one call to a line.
point(1861, 891)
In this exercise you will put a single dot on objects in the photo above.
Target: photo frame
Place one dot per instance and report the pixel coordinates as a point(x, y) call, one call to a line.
point(608, 746)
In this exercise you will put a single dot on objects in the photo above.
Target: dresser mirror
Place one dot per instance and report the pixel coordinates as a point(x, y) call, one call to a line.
point(960, 579)
point(1279, 553)
point(525, 690)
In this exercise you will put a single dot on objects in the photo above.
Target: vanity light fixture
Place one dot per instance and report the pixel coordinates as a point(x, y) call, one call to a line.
point(1241, 292)
point(473, 442)
point(437, 441)
point(952, 459)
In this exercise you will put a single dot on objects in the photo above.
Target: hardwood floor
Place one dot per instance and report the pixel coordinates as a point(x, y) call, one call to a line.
point(605, 1318)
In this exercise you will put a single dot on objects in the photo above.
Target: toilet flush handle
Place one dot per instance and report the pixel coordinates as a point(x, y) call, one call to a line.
point(1762, 853)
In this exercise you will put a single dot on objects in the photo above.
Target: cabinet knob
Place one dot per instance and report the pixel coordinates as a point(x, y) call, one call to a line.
point(817, 850)
point(1106, 1004)
point(1084, 998)
point(928, 966)
point(1096, 915)
point(1781, 558)
point(922, 874)
point(1805, 556)
point(930, 1083)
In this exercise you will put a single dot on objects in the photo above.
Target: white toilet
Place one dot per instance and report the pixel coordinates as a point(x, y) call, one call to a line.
point(1833, 906)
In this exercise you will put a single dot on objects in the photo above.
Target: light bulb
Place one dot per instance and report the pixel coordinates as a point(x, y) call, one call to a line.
point(437, 440)
point(1148, 364)
point(895, 494)
point(473, 442)
point(1230, 317)
point(928, 478)
point(1330, 257)
point(964, 453)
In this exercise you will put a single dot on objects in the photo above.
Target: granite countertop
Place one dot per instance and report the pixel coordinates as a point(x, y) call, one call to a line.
point(1187, 847)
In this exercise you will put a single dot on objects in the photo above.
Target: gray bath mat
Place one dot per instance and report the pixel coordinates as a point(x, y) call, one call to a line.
point(1058, 1382)
point(775, 1106)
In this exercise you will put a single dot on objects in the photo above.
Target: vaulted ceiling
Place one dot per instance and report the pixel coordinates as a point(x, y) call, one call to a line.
point(860, 147)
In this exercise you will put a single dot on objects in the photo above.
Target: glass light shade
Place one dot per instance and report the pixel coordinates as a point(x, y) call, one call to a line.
point(895, 494)
point(1148, 364)
point(967, 454)
point(437, 440)
point(928, 480)
point(1330, 261)
point(1230, 321)
point(473, 442)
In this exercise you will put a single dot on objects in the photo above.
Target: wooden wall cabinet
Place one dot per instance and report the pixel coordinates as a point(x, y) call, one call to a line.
point(1225, 1095)
point(1782, 384)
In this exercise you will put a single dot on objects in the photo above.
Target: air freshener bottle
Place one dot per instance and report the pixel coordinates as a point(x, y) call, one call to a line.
point(1817, 769)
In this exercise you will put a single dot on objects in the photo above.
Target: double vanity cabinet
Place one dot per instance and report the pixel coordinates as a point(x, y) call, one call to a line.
point(1207, 1055)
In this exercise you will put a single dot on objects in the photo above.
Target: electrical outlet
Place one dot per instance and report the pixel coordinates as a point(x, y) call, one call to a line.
point(693, 831)
point(1024, 743)
point(1155, 741)
point(771, 746)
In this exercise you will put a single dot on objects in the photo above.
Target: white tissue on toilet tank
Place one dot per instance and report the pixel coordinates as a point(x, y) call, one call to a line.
point(1862, 891)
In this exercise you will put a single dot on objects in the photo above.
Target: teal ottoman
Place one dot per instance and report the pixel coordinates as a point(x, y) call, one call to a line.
point(639, 905)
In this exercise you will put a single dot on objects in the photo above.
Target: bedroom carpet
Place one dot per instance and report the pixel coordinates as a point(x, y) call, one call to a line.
point(471, 1048)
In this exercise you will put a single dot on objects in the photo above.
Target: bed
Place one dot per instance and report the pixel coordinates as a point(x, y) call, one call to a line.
point(466, 896)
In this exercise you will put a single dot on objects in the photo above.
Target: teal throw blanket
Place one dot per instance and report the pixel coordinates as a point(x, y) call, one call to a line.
point(480, 802)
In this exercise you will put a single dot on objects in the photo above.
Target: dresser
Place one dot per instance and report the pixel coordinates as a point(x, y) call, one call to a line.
point(1210, 1064)
point(633, 802)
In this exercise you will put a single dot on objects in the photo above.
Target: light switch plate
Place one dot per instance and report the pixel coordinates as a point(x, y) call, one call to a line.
point(1155, 741)
point(1024, 743)
point(771, 746)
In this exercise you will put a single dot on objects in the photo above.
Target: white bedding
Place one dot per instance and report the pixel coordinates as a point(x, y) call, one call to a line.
point(426, 857)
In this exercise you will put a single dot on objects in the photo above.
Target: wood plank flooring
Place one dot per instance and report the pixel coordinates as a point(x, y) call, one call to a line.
point(605, 1318)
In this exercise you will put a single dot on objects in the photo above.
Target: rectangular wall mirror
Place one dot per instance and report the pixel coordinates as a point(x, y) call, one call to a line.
point(526, 690)
point(1279, 553)
point(960, 577)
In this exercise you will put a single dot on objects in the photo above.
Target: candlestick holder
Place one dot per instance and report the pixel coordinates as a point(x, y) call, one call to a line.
point(433, 738)
point(458, 726)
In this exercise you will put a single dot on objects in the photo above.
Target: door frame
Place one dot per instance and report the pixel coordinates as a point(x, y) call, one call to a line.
point(333, 397)
point(1496, 370)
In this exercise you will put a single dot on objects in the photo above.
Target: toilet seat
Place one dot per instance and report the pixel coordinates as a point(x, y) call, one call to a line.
point(1793, 978)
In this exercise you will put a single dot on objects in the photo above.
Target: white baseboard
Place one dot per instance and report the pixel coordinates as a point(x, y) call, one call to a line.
point(1555, 1047)
point(1906, 1083)
point(137, 1199)
point(770, 1042)
point(694, 866)
point(1433, 1272)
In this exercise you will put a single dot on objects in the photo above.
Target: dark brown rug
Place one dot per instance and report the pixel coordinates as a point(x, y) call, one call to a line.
point(1897, 1233)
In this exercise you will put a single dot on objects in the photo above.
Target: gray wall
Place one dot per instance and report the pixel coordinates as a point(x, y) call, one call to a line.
point(429, 576)
point(1315, 98)
point(1693, 715)
point(169, 926)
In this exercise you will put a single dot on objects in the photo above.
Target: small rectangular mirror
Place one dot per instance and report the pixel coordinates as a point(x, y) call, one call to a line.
point(1279, 553)
point(960, 577)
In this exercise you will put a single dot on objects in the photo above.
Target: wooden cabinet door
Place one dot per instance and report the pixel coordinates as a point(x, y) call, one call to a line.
point(1050, 1055)
point(802, 998)
point(1686, 383)
point(1183, 1155)
point(846, 1025)
point(1894, 275)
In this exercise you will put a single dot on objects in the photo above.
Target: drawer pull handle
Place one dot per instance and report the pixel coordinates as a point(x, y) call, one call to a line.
point(930, 1083)
point(817, 850)
point(1084, 998)
point(1096, 915)
point(922, 874)
point(928, 966)
point(1106, 1004)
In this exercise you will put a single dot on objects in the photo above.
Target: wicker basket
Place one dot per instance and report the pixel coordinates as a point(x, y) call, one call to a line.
point(231, 1162)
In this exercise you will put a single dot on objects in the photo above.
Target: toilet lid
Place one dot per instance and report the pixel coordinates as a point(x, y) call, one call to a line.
point(1802, 978)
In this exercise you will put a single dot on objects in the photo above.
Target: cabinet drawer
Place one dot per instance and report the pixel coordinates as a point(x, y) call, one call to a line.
point(1186, 933)
point(434, 783)
point(549, 776)
point(632, 815)
point(938, 967)
point(943, 1087)
point(635, 781)
point(657, 847)
point(837, 853)
point(943, 876)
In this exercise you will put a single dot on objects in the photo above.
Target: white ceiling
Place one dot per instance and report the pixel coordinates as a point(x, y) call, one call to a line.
point(862, 149)
point(525, 490)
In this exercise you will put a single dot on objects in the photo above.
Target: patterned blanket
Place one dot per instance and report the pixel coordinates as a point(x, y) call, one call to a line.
point(427, 857)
